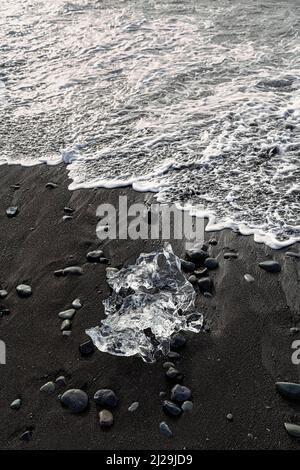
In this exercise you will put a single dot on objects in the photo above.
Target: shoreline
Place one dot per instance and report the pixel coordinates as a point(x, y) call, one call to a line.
point(231, 369)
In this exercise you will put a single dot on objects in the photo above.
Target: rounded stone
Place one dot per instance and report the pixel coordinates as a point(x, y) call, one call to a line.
point(94, 256)
point(75, 400)
point(192, 279)
point(134, 406)
point(76, 304)
point(249, 278)
point(180, 393)
point(87, 348)
point(270, 266)
point(106, 397)
point(48, 388)
point(174, 375)
point(3, 293)
point(11, 212)
point(24, 290)
point(16, 404)
point(67, 314)
point(205, 284)
point(165, 430)
point(288, 390)
point(167, 365)
point(187, 406)
point(171, 408)
point(211, 263)
point(229, 417)
point(106, 419)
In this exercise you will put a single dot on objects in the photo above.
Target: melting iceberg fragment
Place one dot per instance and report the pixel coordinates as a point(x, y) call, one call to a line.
point(150, 301)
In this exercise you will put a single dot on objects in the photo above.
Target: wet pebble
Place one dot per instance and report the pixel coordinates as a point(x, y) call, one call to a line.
point(270, 266)
point(187, 406)
point(293, 430)
point(106, 419)
point(74, 270)
point(66, 325)
point(75, 400)
point(67, 333)
point(229, 417)
point(165, 430)
point(230, 255)
point(197, 255)
point(187, 266)
point(66, 218)
point(12, 211)
point(3, 293)
point(48, 388)
point(249, 278)
point(294, 330)
point(174, 356)
point(24, 290)
point(288, 390)
point(162, 395)
point(292, 254)
point(178, 341)
point(61, 381)
point(211, 263)
point(67, 314)
point(51, 185)
point(26, 436)
point(167, 365)
point(180, 393)
point(171, 408)
point(174, 375)
point(68, 210)
point(87, 348)
point(77, 304)
point(94, 256)
point(192, 279)
point(106, 397)
point(213, 241)
point(134, 406)
point(205, 284)
point(201, 272)
point(16, 404)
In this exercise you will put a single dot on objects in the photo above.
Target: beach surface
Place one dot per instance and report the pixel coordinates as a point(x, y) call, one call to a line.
point(231, 369)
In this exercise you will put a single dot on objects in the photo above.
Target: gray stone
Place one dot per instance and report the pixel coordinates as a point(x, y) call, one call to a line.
point(229, 417)
point(68, 210)
point(171, 408)
point(230, 255)
point(3, 293)
point(293, 430)
point(94, 256)
point(288, 390)
point(26, 436)
point(187, 266)
point(187, 406)
point(165, 430)
point(12, 212)
point(270, 266)
point(162, 395)
point(24, 290)
point(174, 375)
point(167, 365)
point(67, 314)
point(106, 397)
point(66, 325)
point(73, 270)
point(213, 241)
point(61, 381)
point(205, 284)
point(87, 348)
point(197, 255)
point(174, 356)
point(75, 400)
point(294, 330)
point(134, 406)
point(201, 272)
point(51, 185)
point(192, 279)
point(67, 333)
point(48, 388)
point(249, 278)
point(16, 404)
point(77, 304)
point(292, 254)
point(66, 218)
point(106, 419)
point(180, 393)
point(211, 263)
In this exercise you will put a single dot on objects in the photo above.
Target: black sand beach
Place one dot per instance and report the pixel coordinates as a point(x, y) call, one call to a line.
point(231, 369)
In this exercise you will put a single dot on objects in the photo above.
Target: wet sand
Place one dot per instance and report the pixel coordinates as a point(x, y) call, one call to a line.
point(231, 369)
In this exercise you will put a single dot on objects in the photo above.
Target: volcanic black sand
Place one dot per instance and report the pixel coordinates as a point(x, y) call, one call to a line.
point(231, 369)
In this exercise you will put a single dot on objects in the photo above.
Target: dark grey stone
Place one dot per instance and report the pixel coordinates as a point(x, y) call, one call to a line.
point(270, 266)
point(171, 408)
point(106, 397)
point(211, 263)
point(288, 390)
point(180, 393)
point(75, 400)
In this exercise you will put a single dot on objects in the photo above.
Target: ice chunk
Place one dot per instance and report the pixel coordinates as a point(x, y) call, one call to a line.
point(150, 301)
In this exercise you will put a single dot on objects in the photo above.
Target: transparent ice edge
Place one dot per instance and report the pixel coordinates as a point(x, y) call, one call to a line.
point(150, 301)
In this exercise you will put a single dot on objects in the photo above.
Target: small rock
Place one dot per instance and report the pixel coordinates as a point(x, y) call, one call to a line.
point(67, 217)
point(174, 375)
point(103, 261)
point(106, 397)
point(201, 272)
point(67, 333)
point(134, 406)
point(293, 429)
point(197, 255)
point(187, 406)
point(229, 417)
point(211, 263)
point(67, 314)
point(288, 390)
point(180, 393)
point(51, 185)
point(94, 256)
point(174, 356)
point(178, 341)
point(68, 210)
point(59, 272)
point(292, 254)
point(75, 270)
point(26, 436)
point(106, 419)
point(207, 294)
point(3, 294)
point(249, 278)
point(75, 400)
point(66, 325)
point(192, 279)
point(48, 388)
point(230, 255)
point(87, 348)
point(187, 266)
point(213, 241)
point(16, 404)
point(12, 212)
point(294, 330)
point(61, 381)
point(167, 365)
point(270, 266)
point(165, 430)
point(205, 284)
point(162, 395)
point(77, 304)
point(171, 408)
point(24, 290)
